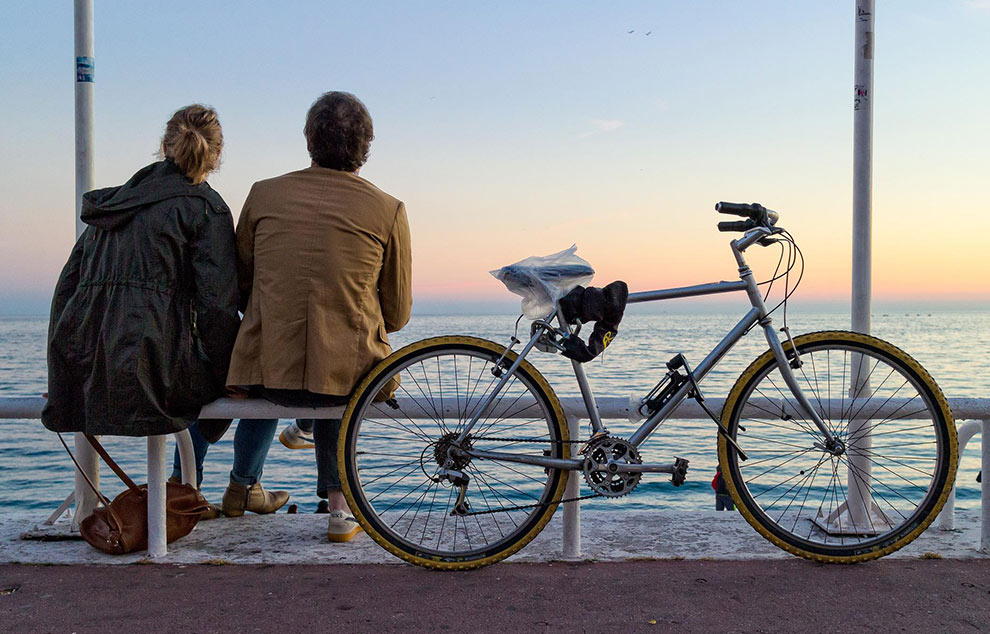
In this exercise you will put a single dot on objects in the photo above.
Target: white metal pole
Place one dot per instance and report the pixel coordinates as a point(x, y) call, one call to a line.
point(156, 497)
point(83, 15)
point(572, 510)
point(187, 457)
point(862, 167)
point(947, 518)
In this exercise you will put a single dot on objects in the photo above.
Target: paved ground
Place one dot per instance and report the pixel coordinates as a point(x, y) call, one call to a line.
point(651, 572)
point(786, 596)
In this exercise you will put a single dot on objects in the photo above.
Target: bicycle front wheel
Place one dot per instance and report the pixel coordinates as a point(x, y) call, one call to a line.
point(391, 453)
point(887, 486)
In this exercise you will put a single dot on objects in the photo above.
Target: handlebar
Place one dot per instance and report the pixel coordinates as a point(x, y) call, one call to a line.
point(746, 210)
point(737, 225)
point(757, 214)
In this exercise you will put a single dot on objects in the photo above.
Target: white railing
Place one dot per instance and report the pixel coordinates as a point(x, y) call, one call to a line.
point(974, 410)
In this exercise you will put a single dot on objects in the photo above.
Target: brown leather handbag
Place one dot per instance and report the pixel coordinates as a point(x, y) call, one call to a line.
point(121, 526)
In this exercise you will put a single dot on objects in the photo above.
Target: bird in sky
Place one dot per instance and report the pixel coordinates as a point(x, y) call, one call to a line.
point(633, 31)
point(648, 32)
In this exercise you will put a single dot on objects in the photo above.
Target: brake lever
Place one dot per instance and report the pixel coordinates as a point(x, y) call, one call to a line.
point(767, 241)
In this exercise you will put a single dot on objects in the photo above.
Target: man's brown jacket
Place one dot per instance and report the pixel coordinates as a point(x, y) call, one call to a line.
point(325, 271)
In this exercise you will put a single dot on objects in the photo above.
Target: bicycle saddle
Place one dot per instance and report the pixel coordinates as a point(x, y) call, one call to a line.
point(555, 275)
point(542, 280)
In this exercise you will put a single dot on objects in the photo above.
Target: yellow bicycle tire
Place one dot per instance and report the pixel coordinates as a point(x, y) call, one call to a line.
point(944, 423)
point(367, 391)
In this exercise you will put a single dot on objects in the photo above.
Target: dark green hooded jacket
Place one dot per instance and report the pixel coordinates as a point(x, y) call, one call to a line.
point(145, 312)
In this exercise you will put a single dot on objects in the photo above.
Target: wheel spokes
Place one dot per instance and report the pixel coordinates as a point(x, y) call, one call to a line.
point(437, 397)
point(882, 480)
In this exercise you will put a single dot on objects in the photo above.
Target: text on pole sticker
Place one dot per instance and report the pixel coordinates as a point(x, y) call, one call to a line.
point(84, 69)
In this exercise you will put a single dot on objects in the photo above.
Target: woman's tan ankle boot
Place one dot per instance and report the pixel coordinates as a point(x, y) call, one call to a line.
point(239, 498)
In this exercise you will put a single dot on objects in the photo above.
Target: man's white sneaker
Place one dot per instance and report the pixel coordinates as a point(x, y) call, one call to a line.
point(295, 438)
point(341, 527)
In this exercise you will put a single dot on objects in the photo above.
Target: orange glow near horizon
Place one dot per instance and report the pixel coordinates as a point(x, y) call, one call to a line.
point(518, 130)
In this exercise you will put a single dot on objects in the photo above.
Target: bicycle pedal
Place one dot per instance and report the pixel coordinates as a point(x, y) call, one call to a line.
point(680, 472)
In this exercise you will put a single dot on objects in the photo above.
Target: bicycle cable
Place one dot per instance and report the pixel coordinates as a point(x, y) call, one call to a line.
point(776, 270)
point(522, 507)
point(795, 257)
point(790, 251)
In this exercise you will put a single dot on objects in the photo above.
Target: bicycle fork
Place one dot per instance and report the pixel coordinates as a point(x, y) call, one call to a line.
point(832, 444)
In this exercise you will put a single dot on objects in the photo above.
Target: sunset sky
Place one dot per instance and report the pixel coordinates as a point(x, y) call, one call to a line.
point(519, 128)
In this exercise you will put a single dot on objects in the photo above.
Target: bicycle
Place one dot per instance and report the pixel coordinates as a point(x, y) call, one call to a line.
point(836, 446)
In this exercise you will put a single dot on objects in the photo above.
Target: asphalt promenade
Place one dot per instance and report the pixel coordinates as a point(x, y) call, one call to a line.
point(785, 596)
point(642, 572)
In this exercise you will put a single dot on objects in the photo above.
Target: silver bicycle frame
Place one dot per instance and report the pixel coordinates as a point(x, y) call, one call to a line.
point(756, 315)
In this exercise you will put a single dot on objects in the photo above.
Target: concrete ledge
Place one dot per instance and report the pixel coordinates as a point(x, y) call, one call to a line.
point(624, 536)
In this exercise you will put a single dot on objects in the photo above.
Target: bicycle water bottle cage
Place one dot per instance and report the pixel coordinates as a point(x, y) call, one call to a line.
point(664, 390)
point(604, 306)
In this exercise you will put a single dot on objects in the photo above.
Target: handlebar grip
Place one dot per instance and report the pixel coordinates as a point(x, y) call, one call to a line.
point(746, 210)
point(736, 225)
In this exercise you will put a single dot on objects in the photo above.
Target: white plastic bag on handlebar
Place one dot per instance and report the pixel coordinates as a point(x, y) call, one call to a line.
point(542, 280)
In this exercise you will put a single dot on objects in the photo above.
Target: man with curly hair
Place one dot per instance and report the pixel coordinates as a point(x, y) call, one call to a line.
point(325, 273)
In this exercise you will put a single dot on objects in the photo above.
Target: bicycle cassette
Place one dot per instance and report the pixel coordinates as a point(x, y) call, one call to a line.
point(601, 466)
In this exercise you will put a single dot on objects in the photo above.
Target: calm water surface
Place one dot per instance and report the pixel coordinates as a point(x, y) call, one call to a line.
point(35, 473)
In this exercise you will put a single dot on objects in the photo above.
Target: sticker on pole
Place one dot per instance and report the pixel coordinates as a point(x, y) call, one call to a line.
point(84, 69)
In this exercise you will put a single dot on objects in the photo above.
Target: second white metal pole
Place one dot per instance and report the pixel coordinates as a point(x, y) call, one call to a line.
point(985, 488)
point(83, 18)
point(572, 510)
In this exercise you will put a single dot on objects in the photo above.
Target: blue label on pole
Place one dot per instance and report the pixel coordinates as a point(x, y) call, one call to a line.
point(84, 69)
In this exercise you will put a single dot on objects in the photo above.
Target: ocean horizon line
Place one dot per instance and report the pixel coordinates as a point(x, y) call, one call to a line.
point(434, 308)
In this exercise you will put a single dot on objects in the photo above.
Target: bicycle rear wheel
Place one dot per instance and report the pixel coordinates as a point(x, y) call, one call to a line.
point(882, 492)
point(391, 453)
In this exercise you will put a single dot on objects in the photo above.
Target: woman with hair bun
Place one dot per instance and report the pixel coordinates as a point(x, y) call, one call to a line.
point(144, 315)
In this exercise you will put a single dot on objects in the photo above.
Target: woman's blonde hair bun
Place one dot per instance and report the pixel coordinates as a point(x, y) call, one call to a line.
point(193, 140)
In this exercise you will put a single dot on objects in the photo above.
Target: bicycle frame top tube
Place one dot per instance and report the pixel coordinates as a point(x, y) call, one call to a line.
point(756, 315)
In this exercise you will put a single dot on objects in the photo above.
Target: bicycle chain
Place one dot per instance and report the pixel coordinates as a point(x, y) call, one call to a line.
point(496, 438)
point(530, 506)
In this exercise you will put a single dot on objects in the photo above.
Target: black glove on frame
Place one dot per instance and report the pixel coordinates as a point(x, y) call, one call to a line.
point(605, 307)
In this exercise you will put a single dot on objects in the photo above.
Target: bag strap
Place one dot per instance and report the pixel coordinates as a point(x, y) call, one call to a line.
point(110, 463)
point(113, 465)
point(99, 495)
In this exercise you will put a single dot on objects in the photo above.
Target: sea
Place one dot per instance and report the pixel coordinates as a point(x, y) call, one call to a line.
point(36, 474)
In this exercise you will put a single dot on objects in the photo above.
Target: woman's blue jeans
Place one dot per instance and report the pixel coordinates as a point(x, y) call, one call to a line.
point(252, 440)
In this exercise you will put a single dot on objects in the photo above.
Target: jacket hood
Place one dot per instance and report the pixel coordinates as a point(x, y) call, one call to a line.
point(114, 207)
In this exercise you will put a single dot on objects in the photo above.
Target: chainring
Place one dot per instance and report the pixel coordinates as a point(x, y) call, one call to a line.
point(603, 457)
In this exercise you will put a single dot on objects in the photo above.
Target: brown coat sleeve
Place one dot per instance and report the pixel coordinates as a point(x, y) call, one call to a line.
point(245, 252)
point(395, 280)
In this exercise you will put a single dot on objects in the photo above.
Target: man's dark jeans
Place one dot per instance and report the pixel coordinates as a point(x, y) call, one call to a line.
point(325, 431)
